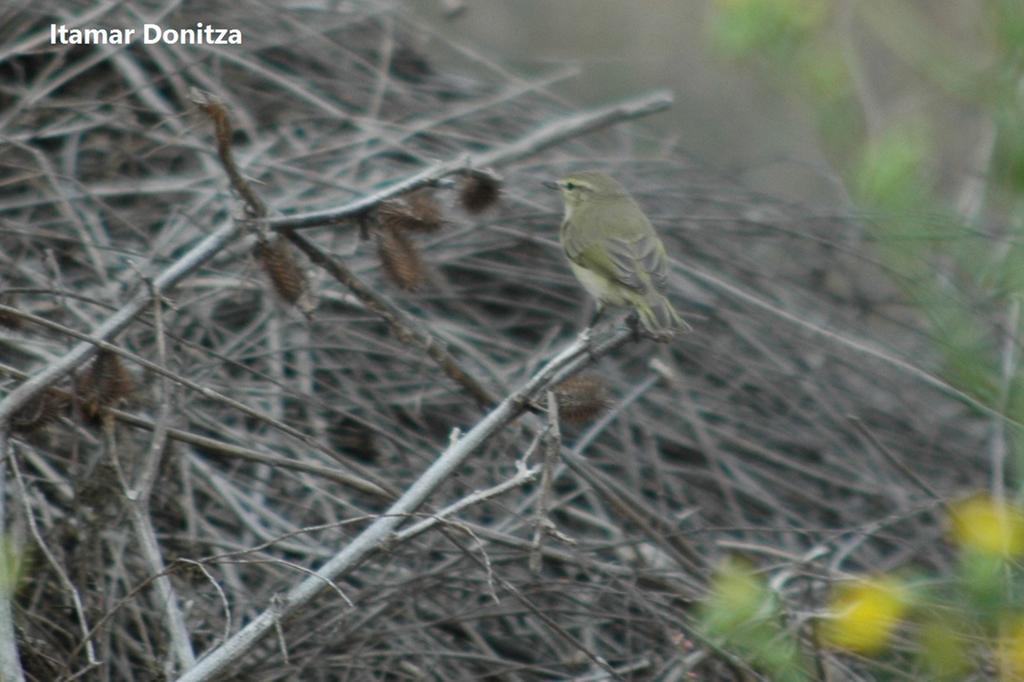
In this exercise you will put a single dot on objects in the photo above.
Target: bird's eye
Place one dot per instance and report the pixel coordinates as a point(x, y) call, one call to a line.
point(570, 186)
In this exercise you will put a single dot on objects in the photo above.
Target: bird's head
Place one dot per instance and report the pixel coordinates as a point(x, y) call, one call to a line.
point(579, 188)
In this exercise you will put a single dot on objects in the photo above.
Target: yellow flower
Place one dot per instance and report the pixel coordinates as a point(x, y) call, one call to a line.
point(864, 614)
point(989, 526)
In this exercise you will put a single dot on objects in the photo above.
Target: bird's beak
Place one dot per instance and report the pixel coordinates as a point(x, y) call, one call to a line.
point(551, 185)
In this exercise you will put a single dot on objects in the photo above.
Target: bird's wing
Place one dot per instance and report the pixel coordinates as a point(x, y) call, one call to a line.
point(592, 254)
point(640, 262)
point(636, 261)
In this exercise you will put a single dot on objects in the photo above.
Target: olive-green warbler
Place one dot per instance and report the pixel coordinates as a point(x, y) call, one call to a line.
point(614, 251)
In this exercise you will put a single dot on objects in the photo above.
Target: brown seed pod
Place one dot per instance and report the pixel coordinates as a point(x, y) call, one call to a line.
point(423, 205)
point(39, 412)
point(417, 211)
point(277, 260)
point(401, 259)
point(479, 191)
point(582, 398)
point(107, 382)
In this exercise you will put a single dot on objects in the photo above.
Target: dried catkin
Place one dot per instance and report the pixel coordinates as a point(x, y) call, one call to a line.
point(478, 191)
point(402, 261)
point(582, 398)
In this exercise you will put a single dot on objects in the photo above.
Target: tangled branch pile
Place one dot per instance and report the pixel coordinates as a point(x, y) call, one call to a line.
point(166, 488)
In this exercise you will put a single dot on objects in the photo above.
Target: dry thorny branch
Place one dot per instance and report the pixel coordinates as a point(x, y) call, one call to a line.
point(191, 466)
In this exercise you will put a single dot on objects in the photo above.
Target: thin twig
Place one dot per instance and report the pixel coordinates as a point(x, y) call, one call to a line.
point(138, 497)
point(894, 460)
point(364, 481)
point(62, 575)
point(215, 109)
point(404, 327)
point(522, 476)
point(542, 138)
point(113, 325)
point(1009, 359)
point(379, 532)
point(547, 620)
point(10, 662)
point(857, 345)
point(223, 448)
point(552, 437)
point(142, 485)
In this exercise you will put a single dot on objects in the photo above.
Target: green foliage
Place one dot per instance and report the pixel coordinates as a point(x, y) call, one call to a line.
point(950, 265)
point(743, 28)
point(943, 650)
point(984, 579)
point(823, 78)
point(961, 263)
point(742, 613)
point(964, 341)
point(975, 620)
point(891, 175)
point(1008, 24)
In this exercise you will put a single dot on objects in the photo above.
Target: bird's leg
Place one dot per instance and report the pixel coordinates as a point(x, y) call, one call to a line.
point(586, 334)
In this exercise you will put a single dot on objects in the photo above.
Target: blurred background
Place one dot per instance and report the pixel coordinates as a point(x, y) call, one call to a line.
point(780, 94)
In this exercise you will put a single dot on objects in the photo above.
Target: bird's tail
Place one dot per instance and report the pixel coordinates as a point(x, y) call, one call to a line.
point(659, 317)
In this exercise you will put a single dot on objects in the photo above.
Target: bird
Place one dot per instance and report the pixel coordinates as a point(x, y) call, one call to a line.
point(615, 253)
